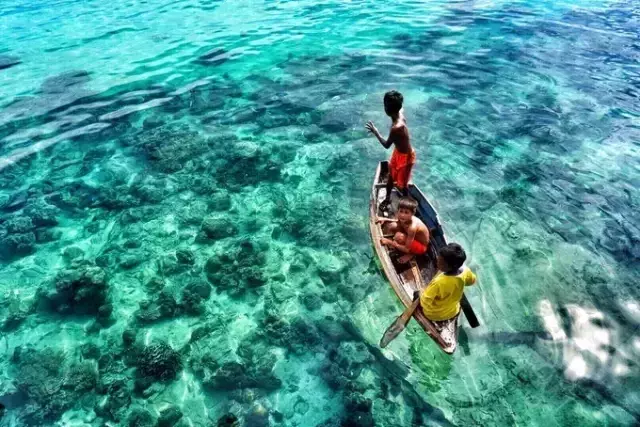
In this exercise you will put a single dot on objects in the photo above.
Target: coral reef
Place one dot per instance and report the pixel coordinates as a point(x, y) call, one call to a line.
point(81, 289)
point(159, 361)
point(239, 268)
point(51, 385)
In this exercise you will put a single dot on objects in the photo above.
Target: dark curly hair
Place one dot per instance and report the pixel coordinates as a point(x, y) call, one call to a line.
point(454, 256)
point(393, 102)
point(408, 203)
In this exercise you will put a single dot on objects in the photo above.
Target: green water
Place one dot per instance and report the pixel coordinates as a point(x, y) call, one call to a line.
point(184, 193)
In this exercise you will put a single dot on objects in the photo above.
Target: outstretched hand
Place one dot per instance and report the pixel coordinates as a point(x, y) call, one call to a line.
point(386, 242)
point(371, 127)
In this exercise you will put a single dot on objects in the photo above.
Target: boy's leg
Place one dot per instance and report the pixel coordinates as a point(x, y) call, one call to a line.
point(401, 239)
point(389, 188)
point(416, 248)
point(384, 205)
point(405, 258)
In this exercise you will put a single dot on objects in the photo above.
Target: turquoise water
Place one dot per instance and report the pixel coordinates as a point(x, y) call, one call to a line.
point(184, 211)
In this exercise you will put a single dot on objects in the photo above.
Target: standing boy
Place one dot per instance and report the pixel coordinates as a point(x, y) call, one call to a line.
point(403, 157)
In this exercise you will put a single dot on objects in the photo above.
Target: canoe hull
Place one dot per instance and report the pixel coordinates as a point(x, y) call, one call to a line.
point(401, 277)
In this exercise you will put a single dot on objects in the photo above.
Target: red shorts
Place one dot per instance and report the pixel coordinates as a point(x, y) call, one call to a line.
point(400, 167)
point(417, 248)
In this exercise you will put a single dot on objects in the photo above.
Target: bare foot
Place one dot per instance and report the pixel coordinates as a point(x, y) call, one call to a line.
point(405, 258)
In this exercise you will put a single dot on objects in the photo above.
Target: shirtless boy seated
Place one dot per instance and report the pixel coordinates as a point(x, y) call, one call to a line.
point(411, 236)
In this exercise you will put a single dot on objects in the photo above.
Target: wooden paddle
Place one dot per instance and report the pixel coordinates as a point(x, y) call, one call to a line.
point(468, 312)
point(399, 324)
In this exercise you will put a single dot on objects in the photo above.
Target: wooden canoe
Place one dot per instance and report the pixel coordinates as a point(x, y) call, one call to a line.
point(403, 277)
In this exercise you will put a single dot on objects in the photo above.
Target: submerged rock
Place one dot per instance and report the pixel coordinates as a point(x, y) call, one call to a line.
point(170, 148)
point(228, 420)
point(312, 302)
point(19, 225)
point(140, 417)
point(159, 361)
point(169, 416)
point(193, 296)
point(42, 214)
point(358, 411)
point(202, 185)
point(155, 284)
point(298, 336)
point(104, 314)
point(63, 82)
point(148, 193)
point(16, 201)
point(185, 256)
point(72, 253)
point(17, 245)
point(258, 416)
point(81, 377)
point(345, 364)
point(118, 397)
point(175, 263)
point(217, 228)
point(235, 376)
point(47, 235)
point(238, 269)
point(90, 351)
point(14, 319)
point(245, 164)
point(220, 200)
point(51, 386)
point(128, 337)
point(163, 306)
point(132, 260)
point(78, 290)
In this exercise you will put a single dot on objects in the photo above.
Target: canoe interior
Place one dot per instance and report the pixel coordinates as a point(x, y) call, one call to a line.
point(400, 276)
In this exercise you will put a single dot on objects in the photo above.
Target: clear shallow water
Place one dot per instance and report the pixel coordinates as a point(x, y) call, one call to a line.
point(152, 151)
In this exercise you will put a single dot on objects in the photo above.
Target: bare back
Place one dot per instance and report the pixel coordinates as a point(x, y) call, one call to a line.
point(400, 135)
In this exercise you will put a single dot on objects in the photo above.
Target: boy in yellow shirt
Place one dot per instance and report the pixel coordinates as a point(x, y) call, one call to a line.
point(441, 299)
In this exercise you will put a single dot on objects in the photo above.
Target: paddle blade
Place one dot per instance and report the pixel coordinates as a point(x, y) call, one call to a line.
point(469, 313)
point(392, 331)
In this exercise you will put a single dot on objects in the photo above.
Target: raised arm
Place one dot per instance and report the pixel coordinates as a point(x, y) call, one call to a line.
point(386, 143)
point(468, 277)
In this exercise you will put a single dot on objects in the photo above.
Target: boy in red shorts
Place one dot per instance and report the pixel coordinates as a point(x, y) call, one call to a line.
point(411, 235)
point(403, 157)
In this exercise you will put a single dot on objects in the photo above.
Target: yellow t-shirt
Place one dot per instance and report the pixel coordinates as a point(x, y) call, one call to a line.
point(441, 299)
